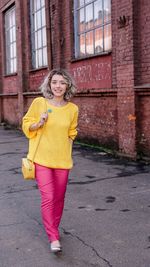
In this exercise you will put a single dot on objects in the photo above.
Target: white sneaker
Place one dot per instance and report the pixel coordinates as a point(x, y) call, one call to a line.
point(55, 246)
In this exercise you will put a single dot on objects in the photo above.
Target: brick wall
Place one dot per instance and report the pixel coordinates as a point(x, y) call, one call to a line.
point(142, 74)
point(98, 120)
point(143, 124)
point(144, 42)
point(124, 69)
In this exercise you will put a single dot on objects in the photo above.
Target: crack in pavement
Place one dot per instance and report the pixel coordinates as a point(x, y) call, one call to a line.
point(87, 245)
point(11, 224)
point(10, 153)
point(13, 191)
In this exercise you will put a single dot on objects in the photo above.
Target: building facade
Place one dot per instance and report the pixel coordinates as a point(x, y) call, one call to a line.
point(103, 43)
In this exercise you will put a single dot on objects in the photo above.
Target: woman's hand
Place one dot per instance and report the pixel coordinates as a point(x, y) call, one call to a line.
point(43, 119)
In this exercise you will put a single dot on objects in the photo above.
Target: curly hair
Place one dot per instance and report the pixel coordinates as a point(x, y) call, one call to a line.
point(71, 87)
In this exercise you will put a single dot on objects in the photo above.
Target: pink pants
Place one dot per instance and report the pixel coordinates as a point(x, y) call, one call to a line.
point(52, 184)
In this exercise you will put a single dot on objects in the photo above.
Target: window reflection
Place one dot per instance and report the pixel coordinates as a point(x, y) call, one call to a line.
point(89, 16)
point(89, 43)
point(107, 10)
point(107, 37)
point(81, 20)
point(93, 27)
point(82, 44)
point(98, 13)
point(99, 40)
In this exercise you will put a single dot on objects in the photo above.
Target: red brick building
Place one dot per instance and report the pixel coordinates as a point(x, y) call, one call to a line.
point(106, 46)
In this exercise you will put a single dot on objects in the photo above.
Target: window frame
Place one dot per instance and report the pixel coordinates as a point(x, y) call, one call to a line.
point(35, 56)
point(77, 34)
point(10, 45)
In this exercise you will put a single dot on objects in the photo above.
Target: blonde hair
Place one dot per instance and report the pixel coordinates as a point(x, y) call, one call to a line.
point(71, 87)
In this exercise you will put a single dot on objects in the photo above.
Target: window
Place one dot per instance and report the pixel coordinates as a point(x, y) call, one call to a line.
point(38, 33)
point(92, 24)
point(10, 41)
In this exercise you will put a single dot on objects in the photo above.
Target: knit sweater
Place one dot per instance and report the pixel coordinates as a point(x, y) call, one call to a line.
point(55, 147)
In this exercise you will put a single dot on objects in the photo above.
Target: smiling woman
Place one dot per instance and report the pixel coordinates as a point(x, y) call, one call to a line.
point(53, 158)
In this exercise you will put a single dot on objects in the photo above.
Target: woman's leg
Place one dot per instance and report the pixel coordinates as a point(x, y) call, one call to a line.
point(46, 183)
point(61, 179)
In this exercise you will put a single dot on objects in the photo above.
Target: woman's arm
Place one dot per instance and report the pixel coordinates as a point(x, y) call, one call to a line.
point(73, 126)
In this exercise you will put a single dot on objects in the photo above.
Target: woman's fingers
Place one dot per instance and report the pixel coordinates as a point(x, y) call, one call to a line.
point(43, 119)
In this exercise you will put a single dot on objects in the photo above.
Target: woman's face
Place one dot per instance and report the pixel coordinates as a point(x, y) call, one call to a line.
point(58, 85)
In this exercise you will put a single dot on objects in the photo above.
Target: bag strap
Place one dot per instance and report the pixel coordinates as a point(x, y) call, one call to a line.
point(40, 135)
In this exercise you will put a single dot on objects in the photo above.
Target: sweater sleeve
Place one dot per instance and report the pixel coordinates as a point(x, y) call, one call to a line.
point(30, 118)
point(73, 126)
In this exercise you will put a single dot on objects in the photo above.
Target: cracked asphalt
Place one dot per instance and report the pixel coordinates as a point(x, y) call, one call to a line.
point(106, 220)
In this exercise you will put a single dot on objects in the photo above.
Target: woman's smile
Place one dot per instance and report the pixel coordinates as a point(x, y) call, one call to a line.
point(58, 85)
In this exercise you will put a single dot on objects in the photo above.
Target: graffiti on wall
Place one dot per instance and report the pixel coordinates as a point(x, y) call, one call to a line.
point(92, 75)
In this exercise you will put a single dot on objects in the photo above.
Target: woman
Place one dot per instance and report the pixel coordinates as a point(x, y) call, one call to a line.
point(56, 117)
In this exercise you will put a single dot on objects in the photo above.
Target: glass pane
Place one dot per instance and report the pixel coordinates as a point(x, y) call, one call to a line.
point(36, 40)
point(44, 36)
point(99, 40)
point(14, 34)
point(45, 56)
point(38, 4)
point(9, 20)
point(35, 22)
point(89, 43)
point(38, 17)
point(11, 51)
point(15, 64)
point(11, 66)
point(98, 13)
point(87, 1)
point(13, 18)
point(89, 16)
point(82, 44)
point(107, 37)
point(107, 10)
point(39, 33)
point(36, 59)
point(42, 3)
point(80, 3)
point(14, 50)
point(81, 20)
point(34, 5)
point(43, 17)
point(7, 37)
point(40, 57)
point(11, 35)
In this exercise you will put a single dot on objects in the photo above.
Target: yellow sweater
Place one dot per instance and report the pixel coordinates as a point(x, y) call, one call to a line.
point(55, 148)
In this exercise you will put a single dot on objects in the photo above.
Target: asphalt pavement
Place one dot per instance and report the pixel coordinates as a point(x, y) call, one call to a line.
point(106, 220)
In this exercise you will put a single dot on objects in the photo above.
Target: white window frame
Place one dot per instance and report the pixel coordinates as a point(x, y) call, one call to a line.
point(38, 33)
point(10, 41)
point(106, 45)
